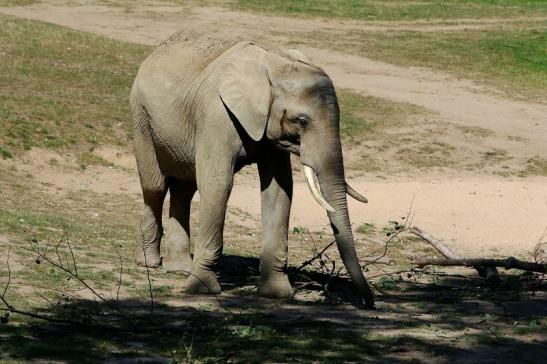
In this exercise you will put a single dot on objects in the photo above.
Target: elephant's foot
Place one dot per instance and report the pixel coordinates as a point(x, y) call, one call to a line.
point(177, 262)
point(276, 286)
point(176, 257)
point(202, 281)
point(148, 257)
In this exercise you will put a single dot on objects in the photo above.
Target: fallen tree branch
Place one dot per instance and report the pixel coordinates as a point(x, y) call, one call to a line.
point(488, 272)
point(507, 263)
point(435, 243)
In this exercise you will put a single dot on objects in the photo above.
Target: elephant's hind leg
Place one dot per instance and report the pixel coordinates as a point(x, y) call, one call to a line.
point(150, 230)
point(177, 237)
point(154, 188)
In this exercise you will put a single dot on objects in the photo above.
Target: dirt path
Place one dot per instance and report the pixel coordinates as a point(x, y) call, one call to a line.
point(458, 101)
point(475, 215)
point(479, 215)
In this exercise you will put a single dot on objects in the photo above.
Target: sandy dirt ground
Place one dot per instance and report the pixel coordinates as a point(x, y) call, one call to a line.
point(477, 213)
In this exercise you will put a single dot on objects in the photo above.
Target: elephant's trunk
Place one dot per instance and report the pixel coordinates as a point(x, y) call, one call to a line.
point(335, 193)
point(329, 168)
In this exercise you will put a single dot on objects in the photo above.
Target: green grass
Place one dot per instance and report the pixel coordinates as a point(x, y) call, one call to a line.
point(538, 326)
point(513, 60)
point(398, 9)
point(366, 228)
point(48, 226)
point(17, 2)
point(5, 154)
point(60, 87)
point(68, 89)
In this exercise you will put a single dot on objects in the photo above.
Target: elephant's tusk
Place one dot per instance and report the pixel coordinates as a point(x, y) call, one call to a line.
point(315, 189)
point(356, 195)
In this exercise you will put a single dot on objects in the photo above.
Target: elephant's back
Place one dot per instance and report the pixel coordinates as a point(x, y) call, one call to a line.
point(190, 43)
point(183, 56)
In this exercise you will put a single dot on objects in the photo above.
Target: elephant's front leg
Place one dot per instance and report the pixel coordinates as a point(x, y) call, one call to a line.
point(276, 194)
point(214, 186)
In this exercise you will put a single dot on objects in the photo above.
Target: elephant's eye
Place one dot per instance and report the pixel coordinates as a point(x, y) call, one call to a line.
point(301, 120)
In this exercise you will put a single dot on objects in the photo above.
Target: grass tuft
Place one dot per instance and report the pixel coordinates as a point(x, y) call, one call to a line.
point(5, 153)
point(536, 166)
point(366, 228)
point(89, 159)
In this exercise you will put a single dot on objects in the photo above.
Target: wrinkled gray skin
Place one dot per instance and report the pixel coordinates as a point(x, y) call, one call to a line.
point(201, 110)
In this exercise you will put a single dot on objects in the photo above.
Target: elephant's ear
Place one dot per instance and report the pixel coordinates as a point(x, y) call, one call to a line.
point(245, 90)
point(295, 55)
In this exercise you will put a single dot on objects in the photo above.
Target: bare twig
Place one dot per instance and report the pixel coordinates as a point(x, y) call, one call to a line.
point(56, 247)
point(120, 277)
point(72, 274)
point(42, 296)
point(150, 287)
point(386, 246)
point(12, 309)
point(316, 256)
point(35, 248)
point(401, 228)
point(319, 256)
point(130, 323)
point(70, 250)
point(9, 277)
point(535, 255)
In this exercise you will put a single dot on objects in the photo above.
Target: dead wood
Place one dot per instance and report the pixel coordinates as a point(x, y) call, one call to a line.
point(507, 263)
point(436, 243)
point(488, 272)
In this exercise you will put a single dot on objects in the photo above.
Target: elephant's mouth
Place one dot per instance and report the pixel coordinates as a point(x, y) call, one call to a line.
point(290, 144)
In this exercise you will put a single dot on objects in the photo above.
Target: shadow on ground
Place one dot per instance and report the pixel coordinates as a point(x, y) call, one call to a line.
point(452, 319)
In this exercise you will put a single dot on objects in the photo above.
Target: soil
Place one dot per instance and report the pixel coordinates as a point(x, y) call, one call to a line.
point(477, 214)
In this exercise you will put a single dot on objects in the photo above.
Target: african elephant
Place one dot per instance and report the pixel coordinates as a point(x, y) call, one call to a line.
point(202, 109)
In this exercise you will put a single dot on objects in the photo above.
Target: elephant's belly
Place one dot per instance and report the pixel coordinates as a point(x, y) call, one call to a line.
point(175, 154)
point(174, 146)
point(176, 163)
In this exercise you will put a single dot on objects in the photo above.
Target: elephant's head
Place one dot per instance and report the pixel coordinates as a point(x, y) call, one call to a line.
point(293, 104)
